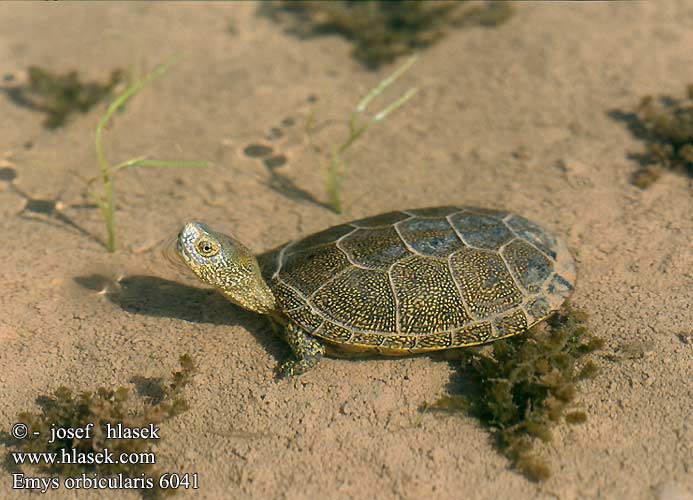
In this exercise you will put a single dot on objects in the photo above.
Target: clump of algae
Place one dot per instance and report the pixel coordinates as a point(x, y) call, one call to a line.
point(668, 125)
point(64, 409)
point(60, 95)
point(523, 386)
point(384, 30)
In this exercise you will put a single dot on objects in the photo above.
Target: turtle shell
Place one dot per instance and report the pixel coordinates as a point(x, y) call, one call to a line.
point(422, 280)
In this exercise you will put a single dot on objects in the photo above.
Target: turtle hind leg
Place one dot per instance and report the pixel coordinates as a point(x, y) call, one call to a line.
point(308, 351)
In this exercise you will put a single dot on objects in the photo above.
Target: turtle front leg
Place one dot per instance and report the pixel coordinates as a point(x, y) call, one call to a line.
point(307, 350)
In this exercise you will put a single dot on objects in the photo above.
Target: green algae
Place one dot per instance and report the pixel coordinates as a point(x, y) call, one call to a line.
point(381, 31)
point(665, 124)
point(522, 387)
point(60, 95)
point(66, 409)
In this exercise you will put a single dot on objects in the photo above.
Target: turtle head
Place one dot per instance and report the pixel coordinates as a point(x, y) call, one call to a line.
point(226, 264)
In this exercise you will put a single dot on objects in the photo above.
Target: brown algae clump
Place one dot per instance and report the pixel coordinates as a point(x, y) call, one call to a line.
point(523, 386)
point(59, 95)
point(384, 30)
point(104, 409)
point(667, 127)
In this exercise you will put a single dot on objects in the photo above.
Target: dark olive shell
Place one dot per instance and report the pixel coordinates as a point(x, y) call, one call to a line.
point(422, 280)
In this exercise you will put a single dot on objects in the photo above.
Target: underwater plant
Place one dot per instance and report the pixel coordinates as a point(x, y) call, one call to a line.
point(106, 199)
point(523, 386)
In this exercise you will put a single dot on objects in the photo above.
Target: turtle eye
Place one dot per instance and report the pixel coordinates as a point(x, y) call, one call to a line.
point(207, 248)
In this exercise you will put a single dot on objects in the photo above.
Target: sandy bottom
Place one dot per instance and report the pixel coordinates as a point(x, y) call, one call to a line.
point(513, 118)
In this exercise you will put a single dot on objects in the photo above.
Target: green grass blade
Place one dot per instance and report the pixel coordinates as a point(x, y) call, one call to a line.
point(335, 171)
point(399, 102)
point(377, 90)
point(108, 207)
point(123, 98)
point(334, 184)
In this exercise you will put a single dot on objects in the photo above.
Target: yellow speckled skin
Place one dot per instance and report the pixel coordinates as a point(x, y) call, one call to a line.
point(398, 283)
point(422, 280)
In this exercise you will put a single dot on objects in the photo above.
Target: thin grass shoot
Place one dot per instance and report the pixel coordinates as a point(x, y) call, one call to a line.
point(106, 200)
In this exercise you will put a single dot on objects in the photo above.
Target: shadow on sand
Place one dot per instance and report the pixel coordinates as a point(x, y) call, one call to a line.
point(154, 296)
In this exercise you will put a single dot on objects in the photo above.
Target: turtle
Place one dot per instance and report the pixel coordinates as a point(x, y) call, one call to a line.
point(398, 283)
